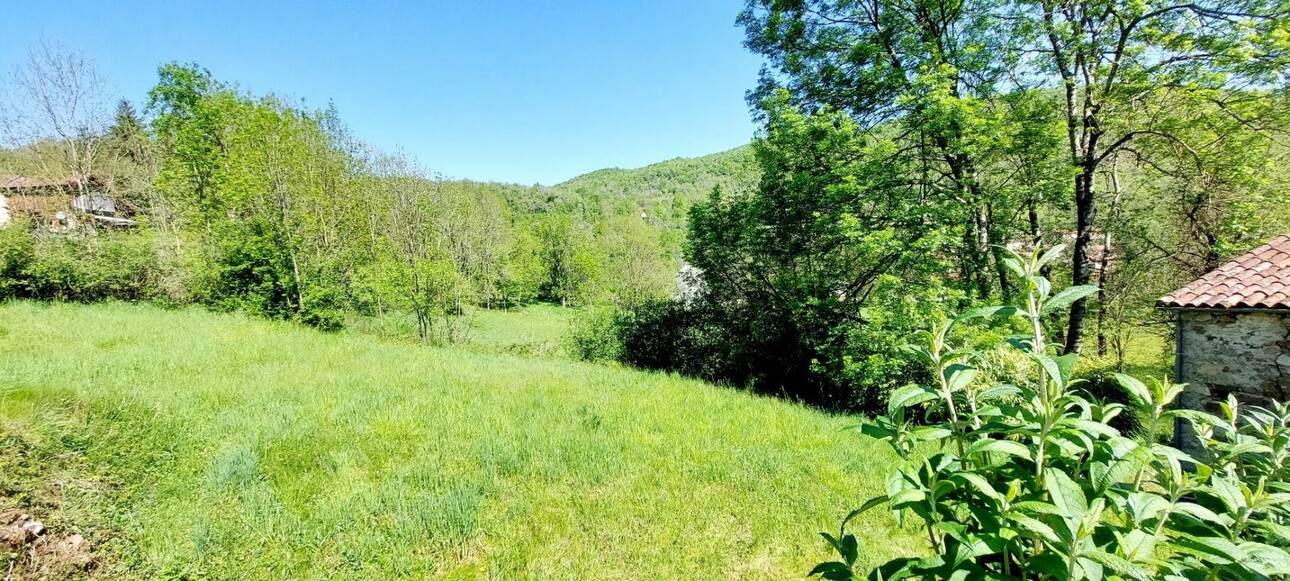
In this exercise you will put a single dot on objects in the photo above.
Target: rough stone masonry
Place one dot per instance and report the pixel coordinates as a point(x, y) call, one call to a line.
point(1246, 353)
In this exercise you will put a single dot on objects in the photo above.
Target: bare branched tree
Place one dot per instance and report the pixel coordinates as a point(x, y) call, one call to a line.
point(57, 97)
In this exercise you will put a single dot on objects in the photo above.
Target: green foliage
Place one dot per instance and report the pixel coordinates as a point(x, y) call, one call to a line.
point(85, 268)
point(799, 278)
point(1138, 128)
point(664, 189)
point(17, 247)
point(1031, 482)
point(287, 217)
point(594, 335)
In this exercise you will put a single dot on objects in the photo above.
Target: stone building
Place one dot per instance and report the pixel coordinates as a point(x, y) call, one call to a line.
point(1234, 330)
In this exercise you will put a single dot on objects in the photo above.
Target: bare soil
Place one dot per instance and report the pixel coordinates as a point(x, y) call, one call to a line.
point(29, 550)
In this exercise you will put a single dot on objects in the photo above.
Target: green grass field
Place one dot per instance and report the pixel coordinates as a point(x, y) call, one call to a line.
point(187, 444)
point(537, 330)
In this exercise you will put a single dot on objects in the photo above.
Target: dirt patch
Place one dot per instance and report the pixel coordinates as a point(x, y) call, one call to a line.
point(53, 523)
point(29, 550)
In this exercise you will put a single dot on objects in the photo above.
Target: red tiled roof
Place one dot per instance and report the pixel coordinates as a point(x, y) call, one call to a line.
point(1259, 279)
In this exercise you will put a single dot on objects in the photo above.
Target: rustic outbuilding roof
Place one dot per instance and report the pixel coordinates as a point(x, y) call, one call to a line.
point(1258, 279)
point(24, 184)
point(13, 182)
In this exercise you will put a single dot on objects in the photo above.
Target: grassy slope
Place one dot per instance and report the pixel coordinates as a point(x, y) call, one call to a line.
point(537, 330)
point(249, 449)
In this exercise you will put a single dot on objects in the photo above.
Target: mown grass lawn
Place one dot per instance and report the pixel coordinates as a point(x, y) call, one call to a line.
point(192, 444)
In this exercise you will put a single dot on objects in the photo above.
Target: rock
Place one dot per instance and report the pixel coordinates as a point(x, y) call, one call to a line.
point(34, 528)
point(74, 551)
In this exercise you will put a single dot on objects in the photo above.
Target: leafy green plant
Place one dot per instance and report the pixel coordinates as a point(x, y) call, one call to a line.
point(1031, 482)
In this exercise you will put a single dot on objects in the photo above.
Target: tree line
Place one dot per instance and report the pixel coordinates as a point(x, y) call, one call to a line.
point(254, 203)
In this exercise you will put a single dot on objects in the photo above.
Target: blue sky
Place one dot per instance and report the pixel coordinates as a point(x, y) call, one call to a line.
point(525, 92)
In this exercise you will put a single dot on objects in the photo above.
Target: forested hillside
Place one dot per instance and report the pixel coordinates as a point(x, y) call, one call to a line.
point(690, 179)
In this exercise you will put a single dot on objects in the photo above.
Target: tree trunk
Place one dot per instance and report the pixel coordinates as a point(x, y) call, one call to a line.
point(1104, 266)
point(997, 247)
point(300, 291)
point(1081, 271)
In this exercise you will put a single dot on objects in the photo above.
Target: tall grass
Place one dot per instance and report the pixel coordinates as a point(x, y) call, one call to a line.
point(225, 447)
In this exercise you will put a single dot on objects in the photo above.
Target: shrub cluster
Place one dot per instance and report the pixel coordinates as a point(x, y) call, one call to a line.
point(41, 265)
point(1032, 481)
point(844, 365)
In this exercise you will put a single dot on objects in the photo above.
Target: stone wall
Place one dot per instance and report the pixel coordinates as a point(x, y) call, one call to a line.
point(1243, 353)
point(1223, 353)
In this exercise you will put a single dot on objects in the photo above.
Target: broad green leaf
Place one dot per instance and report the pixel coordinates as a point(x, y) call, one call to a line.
point(988, 312)
point(1202, 514)
point(1002, 446)
point(1066, 366)
point(1136, 389)
point(929, 433)
point(1038, 507)
point(850, 549)
point(872, 502)
point(877, 432)
point(1214, 549)
point(1278, 532)
point(997, 392)
point(910, 395)
point(1118, 564)
point(958, 376)
point(1266, 559)
point(1051, 255)
point(1066, 494)
point(1015, 266)
point(1124, 468)
point(1050, 367)
point(1035, 526)
point(1228, 492)
point(830, 567)
point(1137, 545)
point(907, 497)
point(1066, 297)
point(980, 483)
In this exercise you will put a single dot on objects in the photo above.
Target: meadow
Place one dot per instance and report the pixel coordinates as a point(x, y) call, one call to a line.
point(189, 444)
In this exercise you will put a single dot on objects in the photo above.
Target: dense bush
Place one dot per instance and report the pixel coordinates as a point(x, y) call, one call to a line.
point(594, 335)
point(675, 336)
point(850, 364)
point(83, 267)
point(1030, 481)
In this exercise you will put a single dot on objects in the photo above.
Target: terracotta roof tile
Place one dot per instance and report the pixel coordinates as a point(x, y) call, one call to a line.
point(1259, 279)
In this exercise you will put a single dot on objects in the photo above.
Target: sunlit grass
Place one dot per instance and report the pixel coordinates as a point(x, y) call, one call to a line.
point(236, 448)
point(538, 329)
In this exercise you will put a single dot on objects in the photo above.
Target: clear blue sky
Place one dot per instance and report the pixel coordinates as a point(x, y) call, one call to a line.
point(526, 92)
